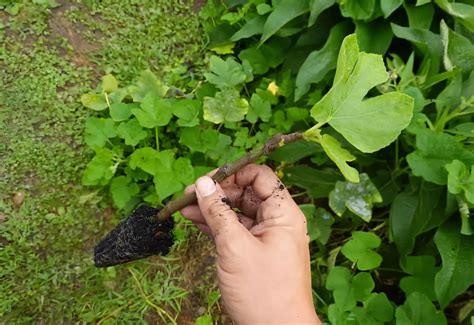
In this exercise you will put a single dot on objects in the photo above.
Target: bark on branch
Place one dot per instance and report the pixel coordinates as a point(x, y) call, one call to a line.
point(277, 141)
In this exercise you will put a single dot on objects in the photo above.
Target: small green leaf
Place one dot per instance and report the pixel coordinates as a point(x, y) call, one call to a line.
point(225, 74)
point(98, 131)
point(418, 310)
point(319, 223)
point(457, 253)
point(340, 157)
point(360, 250)
point(94, 101)
point(348, 290)
point(131, 132)
point(109, 84)
point(357, 197)
point(123, 191)
point(184, 170)
point(260, 108)
point(434, 151)
point(154, 111)
point(187, 110)
point(422, 272)
point(359, 10)
point(204, 320)
point(100, 169)
point(263, 9)
point(226, 106)
point(460, 180)
point(369, 124)
point(283, 12)
point(121, 111)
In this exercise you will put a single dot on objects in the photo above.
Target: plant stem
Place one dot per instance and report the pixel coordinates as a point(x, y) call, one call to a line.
point(157, 139)
point(277, 141)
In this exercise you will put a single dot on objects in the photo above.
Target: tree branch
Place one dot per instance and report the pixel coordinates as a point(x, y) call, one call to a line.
point(277, 141)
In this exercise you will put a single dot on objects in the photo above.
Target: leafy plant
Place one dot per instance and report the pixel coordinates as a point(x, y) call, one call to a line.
point(389, 152)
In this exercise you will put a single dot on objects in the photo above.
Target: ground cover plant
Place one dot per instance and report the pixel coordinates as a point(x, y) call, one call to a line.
point(50, 54)
point(383, 93)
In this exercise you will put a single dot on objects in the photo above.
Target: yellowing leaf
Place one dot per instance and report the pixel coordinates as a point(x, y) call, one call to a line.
point(226, 106)
point(109, 83)
point(340, 157)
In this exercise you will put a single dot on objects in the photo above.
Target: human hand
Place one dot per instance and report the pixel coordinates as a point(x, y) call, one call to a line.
point(263, 262)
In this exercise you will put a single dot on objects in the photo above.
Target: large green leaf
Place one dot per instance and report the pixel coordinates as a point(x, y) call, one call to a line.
point(369, 124)
point(422, 272)
point(226, 106)
point(101, 168)
point(458, 50)
point(151, 160)
point(374, 42)
point(131, 132)
point(123, 191)
point(251, 28)
point(99, 131)
point(418, 310)
point(320, 62)
point(463, 12)
point(380, 307)
point(225, 74)
point(284, 12)
point(416, 210)
point(318, 183)
point(316, 8)
point(187, 110)
point(457, 271)
point(434, 151)
point(428, 42)
point(357, 197)
point(121, 111)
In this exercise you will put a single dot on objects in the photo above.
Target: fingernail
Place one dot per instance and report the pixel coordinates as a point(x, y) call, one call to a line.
point(205, 186)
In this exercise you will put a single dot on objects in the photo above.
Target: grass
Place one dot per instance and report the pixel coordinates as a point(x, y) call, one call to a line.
point(48, 57)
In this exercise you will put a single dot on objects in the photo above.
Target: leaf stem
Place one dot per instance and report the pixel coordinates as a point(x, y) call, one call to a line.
point(107, 99)
point(277, 141)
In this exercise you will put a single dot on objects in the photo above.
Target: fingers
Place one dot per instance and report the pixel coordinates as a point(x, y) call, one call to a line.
point(218, 215)
point(261, 178)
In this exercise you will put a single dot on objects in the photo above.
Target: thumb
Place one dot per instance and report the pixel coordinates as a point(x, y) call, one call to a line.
point(219, 216)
